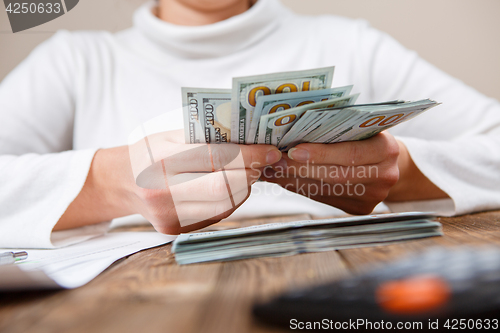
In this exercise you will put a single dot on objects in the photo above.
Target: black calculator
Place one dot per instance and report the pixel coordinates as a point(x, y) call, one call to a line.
point(445, 287)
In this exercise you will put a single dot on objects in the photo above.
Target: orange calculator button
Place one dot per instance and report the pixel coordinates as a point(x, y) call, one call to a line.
point(413, 295)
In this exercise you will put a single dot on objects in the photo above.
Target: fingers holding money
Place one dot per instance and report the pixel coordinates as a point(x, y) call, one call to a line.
point(369, 161)
point(365, 152)
point(213, 157)
point(361, 172)
point(333, 174)
point(179, 157)
point(194, 162)
point(211, 187)
point(183, 187)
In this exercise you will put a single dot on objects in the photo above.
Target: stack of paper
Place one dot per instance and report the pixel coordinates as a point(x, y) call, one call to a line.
point(75, 265)
point(281, 239)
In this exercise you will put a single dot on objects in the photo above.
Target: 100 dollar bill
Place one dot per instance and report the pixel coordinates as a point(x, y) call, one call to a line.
point(274, 126)
point(246, 90)
point(368, 121)
point(279, 102)
point(216, 117)
point(192, 106)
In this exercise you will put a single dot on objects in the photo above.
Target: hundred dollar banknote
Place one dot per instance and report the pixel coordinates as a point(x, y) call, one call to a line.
point(311, 124)
point(279, 102)
point(321, 117)
point(194, 129)
point(246, 91)
point(367, 121)
point(273, 127)
point(322, 126)
point(216, 117)
point(337, 117)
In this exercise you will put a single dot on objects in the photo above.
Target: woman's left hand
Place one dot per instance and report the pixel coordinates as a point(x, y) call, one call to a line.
point(353, 176)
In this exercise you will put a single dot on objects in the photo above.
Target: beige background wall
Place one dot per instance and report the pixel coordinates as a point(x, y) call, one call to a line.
point(460, 36)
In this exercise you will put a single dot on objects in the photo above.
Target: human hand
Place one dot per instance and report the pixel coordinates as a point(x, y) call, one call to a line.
point(181, 187)
point(178, 187)
point(353, 176)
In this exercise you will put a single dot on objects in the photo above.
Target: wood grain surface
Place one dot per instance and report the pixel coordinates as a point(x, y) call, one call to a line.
point(149, 292)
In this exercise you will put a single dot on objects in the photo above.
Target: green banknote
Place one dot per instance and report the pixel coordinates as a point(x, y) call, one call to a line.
point(246, 91)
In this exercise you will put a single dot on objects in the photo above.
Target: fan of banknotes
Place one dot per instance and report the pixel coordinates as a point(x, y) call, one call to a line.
point(285, 109)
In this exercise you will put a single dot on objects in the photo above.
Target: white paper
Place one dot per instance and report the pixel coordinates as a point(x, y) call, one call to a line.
point(75, 265)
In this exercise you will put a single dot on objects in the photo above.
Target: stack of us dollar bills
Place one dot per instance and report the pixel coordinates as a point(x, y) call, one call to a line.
point(282, 239)
point(285, 109)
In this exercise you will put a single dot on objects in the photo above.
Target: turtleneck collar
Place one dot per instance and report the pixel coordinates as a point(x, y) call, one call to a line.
point(212, 40)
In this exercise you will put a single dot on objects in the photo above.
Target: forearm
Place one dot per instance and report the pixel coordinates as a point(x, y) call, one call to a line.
point(105, 195)
point(412, 185)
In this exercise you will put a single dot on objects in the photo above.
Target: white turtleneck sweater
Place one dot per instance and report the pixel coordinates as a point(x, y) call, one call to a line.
point(82, 91)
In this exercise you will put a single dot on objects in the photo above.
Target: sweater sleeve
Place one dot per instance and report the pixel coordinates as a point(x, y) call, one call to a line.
point(455, 145)
point(39, 173)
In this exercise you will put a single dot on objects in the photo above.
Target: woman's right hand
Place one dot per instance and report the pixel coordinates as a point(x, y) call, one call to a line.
point(178, 187)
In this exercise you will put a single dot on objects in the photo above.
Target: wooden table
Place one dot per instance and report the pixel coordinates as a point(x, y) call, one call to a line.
point(149, 292)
